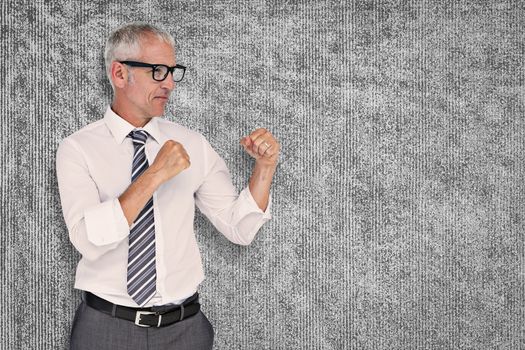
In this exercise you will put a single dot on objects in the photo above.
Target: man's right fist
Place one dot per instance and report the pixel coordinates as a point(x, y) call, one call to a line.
point(170, 161)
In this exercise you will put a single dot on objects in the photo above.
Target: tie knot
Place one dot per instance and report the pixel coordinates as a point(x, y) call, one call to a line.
point(138, 136)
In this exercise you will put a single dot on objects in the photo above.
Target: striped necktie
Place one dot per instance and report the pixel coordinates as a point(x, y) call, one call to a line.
point(142, 276)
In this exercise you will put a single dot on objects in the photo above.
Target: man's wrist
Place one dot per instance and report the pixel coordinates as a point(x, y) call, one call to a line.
point(151, 180)
point(263, 172)
point(266, 165)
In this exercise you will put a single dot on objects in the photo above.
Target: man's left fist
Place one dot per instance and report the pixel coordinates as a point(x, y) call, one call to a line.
point(262, 146)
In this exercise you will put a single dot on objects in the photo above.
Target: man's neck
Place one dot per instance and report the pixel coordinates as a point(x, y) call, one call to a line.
point(128, 116)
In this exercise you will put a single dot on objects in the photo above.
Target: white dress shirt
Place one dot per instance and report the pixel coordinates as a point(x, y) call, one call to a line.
point(94, 169)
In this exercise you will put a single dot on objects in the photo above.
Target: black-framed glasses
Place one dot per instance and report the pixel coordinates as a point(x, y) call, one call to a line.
point(159, 72)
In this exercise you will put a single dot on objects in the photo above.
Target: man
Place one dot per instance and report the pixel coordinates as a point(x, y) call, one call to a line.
point(128, 186)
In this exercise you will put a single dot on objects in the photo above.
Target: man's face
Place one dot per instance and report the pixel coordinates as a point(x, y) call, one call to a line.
point(147, 98)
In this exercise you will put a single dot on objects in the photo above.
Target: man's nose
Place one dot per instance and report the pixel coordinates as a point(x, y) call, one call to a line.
point(168, 83)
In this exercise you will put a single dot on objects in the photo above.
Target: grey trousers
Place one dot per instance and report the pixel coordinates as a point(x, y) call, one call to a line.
point(95, 330)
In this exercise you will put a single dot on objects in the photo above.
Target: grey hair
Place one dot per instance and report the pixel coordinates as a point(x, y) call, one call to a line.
point(124, 42)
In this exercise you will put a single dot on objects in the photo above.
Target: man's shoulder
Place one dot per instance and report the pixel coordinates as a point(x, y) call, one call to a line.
point(174, 129)
point(91, 128)
point(85, 136)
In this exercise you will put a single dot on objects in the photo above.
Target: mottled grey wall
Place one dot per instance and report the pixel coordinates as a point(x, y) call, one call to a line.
point(398, 203)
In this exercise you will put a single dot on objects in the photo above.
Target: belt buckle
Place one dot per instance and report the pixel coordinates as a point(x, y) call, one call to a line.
point(138, 317)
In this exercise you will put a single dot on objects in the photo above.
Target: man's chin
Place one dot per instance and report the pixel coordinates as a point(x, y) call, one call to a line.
point(156, 115)
point(158, 111)
point(160, 107)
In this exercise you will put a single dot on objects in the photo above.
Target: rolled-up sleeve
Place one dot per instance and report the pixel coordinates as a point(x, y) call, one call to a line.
point(94, 227)
point(236, 216)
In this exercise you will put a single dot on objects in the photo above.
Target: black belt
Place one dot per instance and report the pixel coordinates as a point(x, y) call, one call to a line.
point(145, 317)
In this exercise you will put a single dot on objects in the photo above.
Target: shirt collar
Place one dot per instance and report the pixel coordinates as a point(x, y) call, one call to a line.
point(120, 128)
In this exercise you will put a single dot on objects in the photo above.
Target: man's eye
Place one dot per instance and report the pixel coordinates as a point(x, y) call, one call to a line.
point(159, 72)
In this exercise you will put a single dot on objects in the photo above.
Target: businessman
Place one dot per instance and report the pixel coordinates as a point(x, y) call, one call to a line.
point(129, 183)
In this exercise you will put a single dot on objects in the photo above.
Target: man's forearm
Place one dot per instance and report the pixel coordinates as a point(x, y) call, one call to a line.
point(260, 183)
point(170, 161)
point(137, 195)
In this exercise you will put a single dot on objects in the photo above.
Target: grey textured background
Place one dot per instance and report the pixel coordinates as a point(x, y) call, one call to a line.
point(398, 203)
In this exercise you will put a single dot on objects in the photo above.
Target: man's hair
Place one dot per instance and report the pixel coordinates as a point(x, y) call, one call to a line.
point(124, 42)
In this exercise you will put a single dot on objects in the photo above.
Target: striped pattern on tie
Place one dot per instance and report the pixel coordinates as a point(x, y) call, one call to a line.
point(142, 275)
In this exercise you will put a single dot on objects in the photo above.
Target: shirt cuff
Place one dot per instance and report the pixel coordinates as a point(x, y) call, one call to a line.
point(253, 207)
point(106, 223)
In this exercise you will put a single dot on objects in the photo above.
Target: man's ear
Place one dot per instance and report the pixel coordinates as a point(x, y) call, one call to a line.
point(119, 74)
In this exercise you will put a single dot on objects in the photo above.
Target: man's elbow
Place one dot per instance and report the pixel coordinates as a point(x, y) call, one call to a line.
point(242, 238)
point(88, 250)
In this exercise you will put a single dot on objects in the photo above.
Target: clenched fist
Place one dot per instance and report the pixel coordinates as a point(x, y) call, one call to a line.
point(262, 146)
point(170, 161)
